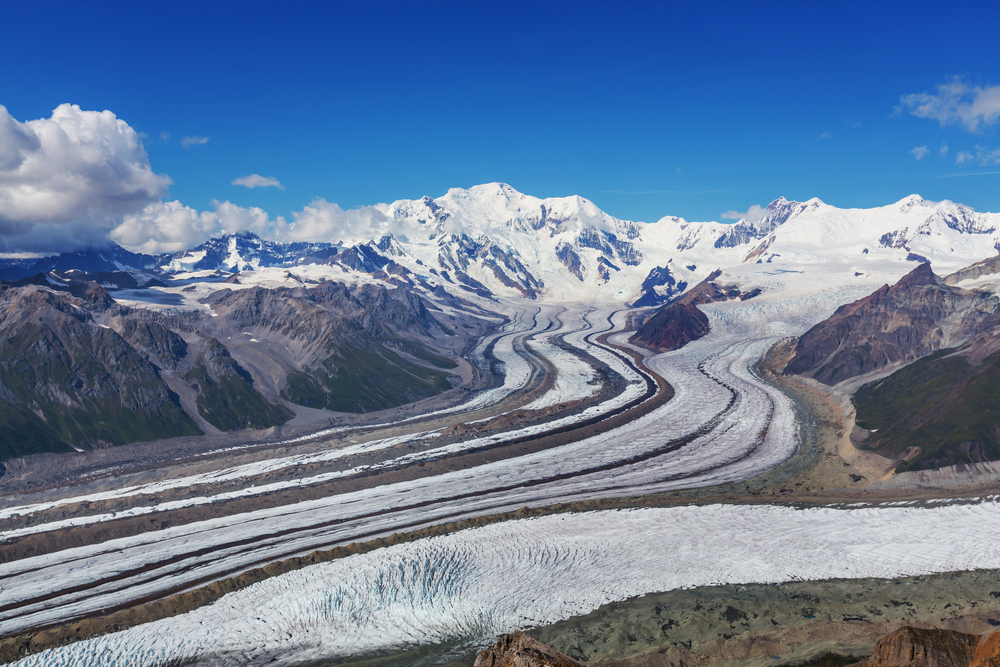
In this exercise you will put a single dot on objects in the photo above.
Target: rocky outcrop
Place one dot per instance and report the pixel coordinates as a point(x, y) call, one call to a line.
point(918, 647)
point(899, 324)
point(659, 277)
point(519, 650)
point(681, 321)
point(977, 270)
point(569, 259)
point(987, 652)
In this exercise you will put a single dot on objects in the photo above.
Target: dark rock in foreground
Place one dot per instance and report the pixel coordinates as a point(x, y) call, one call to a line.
point(916, 647)
point(519, 650)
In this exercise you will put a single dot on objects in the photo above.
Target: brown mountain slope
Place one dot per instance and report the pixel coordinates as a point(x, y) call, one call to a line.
point(902, 323)
point(78, 370)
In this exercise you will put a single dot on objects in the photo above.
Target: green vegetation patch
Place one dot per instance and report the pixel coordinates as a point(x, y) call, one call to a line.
point(229, 402)
point(364, 380)
point(25, 433)
point(940, 404)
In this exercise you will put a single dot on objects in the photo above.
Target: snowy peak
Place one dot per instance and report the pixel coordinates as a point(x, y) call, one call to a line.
point(753, 229)
point(495, 242)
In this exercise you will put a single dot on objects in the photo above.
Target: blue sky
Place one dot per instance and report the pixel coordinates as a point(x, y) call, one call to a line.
point(649, 109)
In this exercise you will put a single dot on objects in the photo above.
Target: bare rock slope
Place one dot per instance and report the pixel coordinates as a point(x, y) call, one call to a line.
point(519, 650)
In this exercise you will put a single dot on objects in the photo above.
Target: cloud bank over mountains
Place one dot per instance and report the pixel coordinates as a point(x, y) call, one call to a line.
point(81, 179)
point(68, 180)
point(171, 226)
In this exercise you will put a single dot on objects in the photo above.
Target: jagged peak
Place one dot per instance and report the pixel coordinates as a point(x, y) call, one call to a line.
point(921, 275)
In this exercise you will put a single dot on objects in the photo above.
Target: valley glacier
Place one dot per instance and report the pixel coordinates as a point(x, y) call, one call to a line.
point(567, 321)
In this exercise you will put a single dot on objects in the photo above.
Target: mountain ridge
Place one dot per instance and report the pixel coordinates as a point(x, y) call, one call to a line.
point(505, 244)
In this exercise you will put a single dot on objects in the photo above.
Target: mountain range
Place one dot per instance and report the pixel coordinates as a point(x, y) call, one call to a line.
point(244, 332)
point(492, 238)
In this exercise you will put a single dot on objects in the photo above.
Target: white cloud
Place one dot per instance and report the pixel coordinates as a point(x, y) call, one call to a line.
point(944, 149)
point(956, 103)
point(753, 214)
point(825, 135)
point(187, 142)
point(165, 136)
point(982, 155)
point(325, 221)
point(66, 180)
point(919, 152)
point(258, 181)
point(171, 226)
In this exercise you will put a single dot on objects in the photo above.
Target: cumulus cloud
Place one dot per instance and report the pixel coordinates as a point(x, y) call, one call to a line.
point(165, 136)
point(65, 181)
point(187, 142)
point(919, 152)
point(325, 221)
point(171, 226)
point(982, 155)
point(944, 149)
point(258, 181)
point(754, 214)
point(956, 103)
point(825, 135)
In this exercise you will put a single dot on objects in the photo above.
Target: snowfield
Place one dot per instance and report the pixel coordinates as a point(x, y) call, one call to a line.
point(476, 584)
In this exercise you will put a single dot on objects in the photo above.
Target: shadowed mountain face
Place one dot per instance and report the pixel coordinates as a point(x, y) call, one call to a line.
point(66, 381)
point(903, 323)
point(939, 411)
point(78, 370)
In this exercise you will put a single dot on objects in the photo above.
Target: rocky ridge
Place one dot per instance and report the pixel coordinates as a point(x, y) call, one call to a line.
point(896, 324)
point(938, 406)
point(679, 322)
point(80, 370)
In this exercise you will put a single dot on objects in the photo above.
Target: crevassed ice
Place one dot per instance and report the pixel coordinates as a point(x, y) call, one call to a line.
point(473, 585)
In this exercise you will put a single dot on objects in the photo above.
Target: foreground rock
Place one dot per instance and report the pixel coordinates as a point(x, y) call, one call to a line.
point(917, 647)
point(519, 650)
point(988, 652)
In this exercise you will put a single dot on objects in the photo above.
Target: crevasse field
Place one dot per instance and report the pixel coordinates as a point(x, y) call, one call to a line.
point(472, 585)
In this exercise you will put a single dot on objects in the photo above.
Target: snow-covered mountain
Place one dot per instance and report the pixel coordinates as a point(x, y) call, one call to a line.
point(112, 258)
point(495, 242)
point(568, 249)
point(245, 251)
